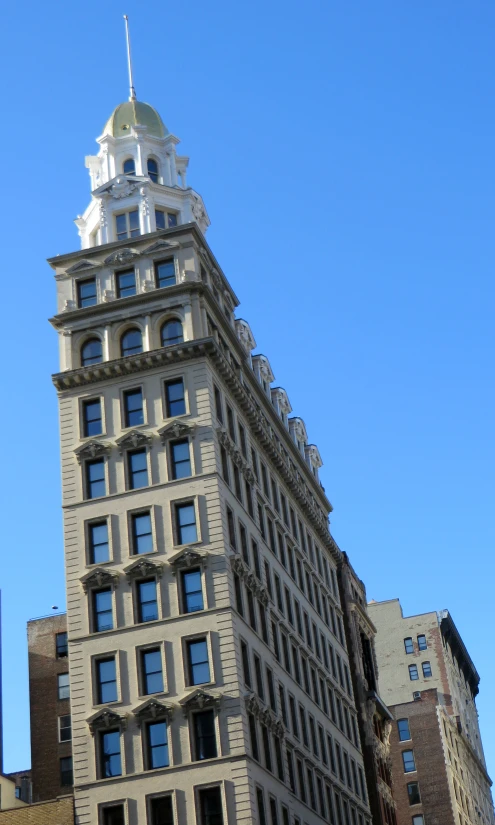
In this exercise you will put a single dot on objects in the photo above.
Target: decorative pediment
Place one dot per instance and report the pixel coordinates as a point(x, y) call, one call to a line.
point(153, 709)
point(105, 719)
point(133, 439)
point(178, 429)
point(92, 449)
point(298, 429)
point(245, 335)
point(188, 558)
point(143, 568)
point(160, 246)
point(121, 256)
point(313, 456)
point(200, 700)
point(80, 266)
point(100, 577)
point(281, 399)
point(263, 368)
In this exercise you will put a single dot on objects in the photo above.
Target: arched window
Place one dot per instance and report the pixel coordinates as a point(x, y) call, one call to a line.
point(91, 352)
point(172, 333)
point(131, 342)
point(129, 167)
point(153, 170)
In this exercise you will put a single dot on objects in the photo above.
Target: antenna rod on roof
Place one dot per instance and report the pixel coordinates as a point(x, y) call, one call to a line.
point(132, 91)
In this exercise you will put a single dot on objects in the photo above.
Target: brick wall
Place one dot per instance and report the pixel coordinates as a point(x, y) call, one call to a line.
point(431, 773)
point(46, 707)
point(54, 812)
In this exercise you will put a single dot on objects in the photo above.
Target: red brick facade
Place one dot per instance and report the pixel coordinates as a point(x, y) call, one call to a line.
point(46, 707)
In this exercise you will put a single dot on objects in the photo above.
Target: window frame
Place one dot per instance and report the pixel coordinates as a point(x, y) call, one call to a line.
point(138, 620)
point(66, 727)
point(165, 402)
point(129, 233)
point(399, 732)
point(426, 665)
point(131, 515)
point(141, 650)
point(127, 464)
point(64, 647)
point(147, 748)
point(192, 734)
point(83, 403)
point(102, 806)
point(88, 340)
point(156, 265)
point(170, 456)
point(111, 654)
point(181, 595)
point(100, 761)
point(174, 505)
point(408, 750)
point(118, 289)
point(413, 669)
point(408, 639)
point(186, 641)
point(93, 522)
point(92, 592)
point(78, 283)
point(149, 799)
point(199, 789)
point(59, 697)
point(86, 483)
point(62, 759)
point(124, 393)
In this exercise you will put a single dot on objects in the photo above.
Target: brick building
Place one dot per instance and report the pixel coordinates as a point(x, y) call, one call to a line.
point(53, 812)
point(51, 738)
point(430, 685)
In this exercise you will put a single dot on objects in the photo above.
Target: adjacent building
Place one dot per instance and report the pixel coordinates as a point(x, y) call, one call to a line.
point(49, 699)
point(430, 684)
point(209, 667)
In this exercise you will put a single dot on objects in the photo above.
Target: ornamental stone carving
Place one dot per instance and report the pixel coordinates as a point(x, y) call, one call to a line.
point(313, 455)
point(133, 439)
point(108, 295)
point(238, 566)
point(188, 558)
point(69, 304)
point(143, 568)
point(198, 210)
point(100, 577)
point(178, 429)
point(200, 699)
point(105, 719)
point(160, 246)
point(123, 256)
point(245, 335)
point(253, 704)
point(122, 188)
point(91, 450)
point(82, 265)
point(153, 709)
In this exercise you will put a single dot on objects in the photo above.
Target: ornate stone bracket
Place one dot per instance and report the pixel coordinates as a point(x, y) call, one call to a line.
point(200, 700)
point(91, 450)
point(105, 719)
point(122, 257)
point(100, 577)
point(178, 429)
point(188, 558)
point(143, 568)
point(152, 710)
point(265, 715)
point(133, 439)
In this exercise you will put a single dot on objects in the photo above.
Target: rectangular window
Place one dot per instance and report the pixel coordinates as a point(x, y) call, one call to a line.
point(63, 686)
point(102, 610)
point(231, 424)
point(151, 671)
point(261, 518)
point(304, 728)
point(408, 761)
point(110, 758)
point(161, 811)
point(86, 292)
point(261, 806)
point(142, 536)
point(293, 716)
point(165, 220)
point(210, 806)
point(276, 647)
point(147, 603)
point(290, 767)
point(408, 645)
point(218, 404)
point(192, 591)
point(418, 820)
point(302, 781)
point(242, 439)
point(61, 645)
point(413, 673)
point(165, 273)
point(106, 680)
point(426, 669)
point(157, 745)
point(127, 225)
point(137, 466)
point(126, 283)
point(198, 663)
point(133, 408)
point(273, 811)
point(271, 689)
point(181, 459)
point(238, 595)
point(114, 815)
point(225, 465)
point(98, 542)
point(92, 422)
point(64, 728)
point(422, 645)
point(66, 776)
point(205, 740)
point(253, 735)
point(265, 738)
point(264, 479)
point(95, 478)
point(244, 543)
point(186, 523)
point(251, 608)
point(283, 705)
point(259, 677)
point(413, 793)
point(175, 398)
point(245, 664)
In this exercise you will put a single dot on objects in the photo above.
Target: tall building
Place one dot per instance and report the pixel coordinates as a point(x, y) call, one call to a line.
point(374, 718)
point(49, 701)
point(209, 673)
point(430, 685)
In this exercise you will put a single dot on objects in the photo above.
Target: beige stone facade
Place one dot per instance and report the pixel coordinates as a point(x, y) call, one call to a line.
point(430, 684)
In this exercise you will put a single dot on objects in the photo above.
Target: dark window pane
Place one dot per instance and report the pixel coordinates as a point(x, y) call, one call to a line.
point(176, 404)
point(107, 681)
point(61, 645)
point(158, 745)
point(413, 793)
point(110, 752)
point(126, 283)
point(91, 352)
point(192, 591)
point(162, 811)
point(138, 469)
point(152, 671)
point(181, 461)
point(408, 645)
point(103, 610)
point(148, 605)
point(160, 219)
point(153, 170)
point(131, 342)
point(426, 669)
point(186, 524)
point(129, 167)
point(121, 226)
point(210, 806)
point(114, 815)
point(422, 645)
point(95, 477)
point(172, 333)
point(408, 760)
point(134, 229)
point(171, 219)
point(98, 543)
point(413, 672)
point(66, 771)
point(142, 534)
point(86, 292)
point(204, 735)
point(403, 728)
point(92, 417)
point(165, 273)
point(133, 406)
point(199, 667)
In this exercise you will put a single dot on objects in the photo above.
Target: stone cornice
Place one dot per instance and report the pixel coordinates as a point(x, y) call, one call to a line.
point(363, 618)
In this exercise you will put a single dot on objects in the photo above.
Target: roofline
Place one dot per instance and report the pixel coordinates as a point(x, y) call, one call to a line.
point(450, 632)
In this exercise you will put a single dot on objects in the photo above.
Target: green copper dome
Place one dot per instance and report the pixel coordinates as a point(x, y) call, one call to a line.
point(131, 113)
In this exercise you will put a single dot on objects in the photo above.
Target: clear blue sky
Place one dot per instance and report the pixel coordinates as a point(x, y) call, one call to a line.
point(345, 154)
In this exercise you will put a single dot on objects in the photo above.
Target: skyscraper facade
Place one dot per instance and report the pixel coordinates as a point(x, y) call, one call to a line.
point(209, 670)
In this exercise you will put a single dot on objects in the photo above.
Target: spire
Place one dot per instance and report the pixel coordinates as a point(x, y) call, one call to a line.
point(132, 91)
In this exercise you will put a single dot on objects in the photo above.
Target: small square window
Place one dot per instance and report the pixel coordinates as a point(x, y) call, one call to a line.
point(165, 274)
point(180, 459)
point(151, 671)
point(113, 815)
point(418, 820)
point(61, 645)
point(63, 686)
point(66, 778)
point(408, 645)
point(137, 464)
point(161, 810)
point(86, 293)
point(175, 398)
point(133, 408)
point(92, 422)
point(192, 591)
point(142, 535)
point(99, 550)
point(64, 728)
point(186, 523)
point(198, 662)
point(126, 283)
